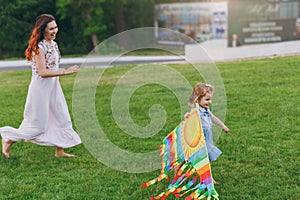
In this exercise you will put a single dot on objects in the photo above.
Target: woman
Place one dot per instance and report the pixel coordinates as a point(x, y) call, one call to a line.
point(46, 119)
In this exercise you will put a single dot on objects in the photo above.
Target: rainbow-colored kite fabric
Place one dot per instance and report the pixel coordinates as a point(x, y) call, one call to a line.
point(184, 150)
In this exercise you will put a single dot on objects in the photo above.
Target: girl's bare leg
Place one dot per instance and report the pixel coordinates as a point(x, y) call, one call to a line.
point(60, 152)
point(6, 146)
point(177, 168)
point(214, 181)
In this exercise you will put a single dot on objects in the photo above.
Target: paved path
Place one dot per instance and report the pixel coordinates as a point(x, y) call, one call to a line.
point(98, 61)
point(216, 50)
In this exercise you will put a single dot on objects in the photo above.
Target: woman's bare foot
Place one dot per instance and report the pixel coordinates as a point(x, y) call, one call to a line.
point(61, 153)
point(64, 155)
point(6, 146)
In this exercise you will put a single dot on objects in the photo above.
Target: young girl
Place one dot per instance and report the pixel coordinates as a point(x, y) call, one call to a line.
point(202, 94)
point(186, 156)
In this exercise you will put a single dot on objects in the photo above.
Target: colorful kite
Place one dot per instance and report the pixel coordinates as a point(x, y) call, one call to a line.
point(184, 152)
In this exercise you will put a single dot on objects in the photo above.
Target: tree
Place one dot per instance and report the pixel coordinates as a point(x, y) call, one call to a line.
point(82, 23)
point(86, 14)
point(16, 21)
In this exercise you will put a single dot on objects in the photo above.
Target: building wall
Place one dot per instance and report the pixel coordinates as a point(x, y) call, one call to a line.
point(199, 21)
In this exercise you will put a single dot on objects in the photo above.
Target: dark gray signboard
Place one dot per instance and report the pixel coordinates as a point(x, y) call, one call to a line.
point(262, 21)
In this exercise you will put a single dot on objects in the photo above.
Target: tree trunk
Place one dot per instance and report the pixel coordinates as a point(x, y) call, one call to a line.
point(95, 43)
point(1, 56)
point(121, 25)
point(120, 18)
point(94, 37)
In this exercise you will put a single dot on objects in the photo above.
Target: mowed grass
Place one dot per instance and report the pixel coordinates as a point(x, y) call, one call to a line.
point(260, 157)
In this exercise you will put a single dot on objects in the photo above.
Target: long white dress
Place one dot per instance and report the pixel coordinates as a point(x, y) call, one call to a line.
point(46, 118)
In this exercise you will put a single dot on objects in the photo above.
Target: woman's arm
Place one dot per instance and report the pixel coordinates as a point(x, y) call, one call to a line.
point(45, 73)
point(219, 122)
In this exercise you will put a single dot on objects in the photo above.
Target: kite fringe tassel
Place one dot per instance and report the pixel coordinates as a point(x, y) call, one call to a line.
point(186, 181)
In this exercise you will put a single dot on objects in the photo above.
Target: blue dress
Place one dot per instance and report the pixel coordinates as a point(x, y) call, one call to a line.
point(213, 151)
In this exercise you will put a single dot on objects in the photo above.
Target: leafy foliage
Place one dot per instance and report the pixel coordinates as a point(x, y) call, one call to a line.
point(16, 21)
point(82, 24)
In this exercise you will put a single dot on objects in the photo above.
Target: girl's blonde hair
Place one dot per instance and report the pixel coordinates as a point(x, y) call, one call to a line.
point(199, 91)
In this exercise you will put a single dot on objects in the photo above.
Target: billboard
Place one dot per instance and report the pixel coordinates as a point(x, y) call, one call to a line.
point(262, 21)
point(199, 21)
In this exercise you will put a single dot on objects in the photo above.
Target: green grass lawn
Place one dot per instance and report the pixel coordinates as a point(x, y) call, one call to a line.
point(260, 157)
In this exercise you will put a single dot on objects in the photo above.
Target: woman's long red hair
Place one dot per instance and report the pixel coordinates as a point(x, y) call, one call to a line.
point(37, 35)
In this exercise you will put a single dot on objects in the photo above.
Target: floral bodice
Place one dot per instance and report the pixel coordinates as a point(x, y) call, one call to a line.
point(52, 56)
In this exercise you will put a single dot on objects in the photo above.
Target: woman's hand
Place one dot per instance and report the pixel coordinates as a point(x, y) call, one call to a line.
point(72, 69)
